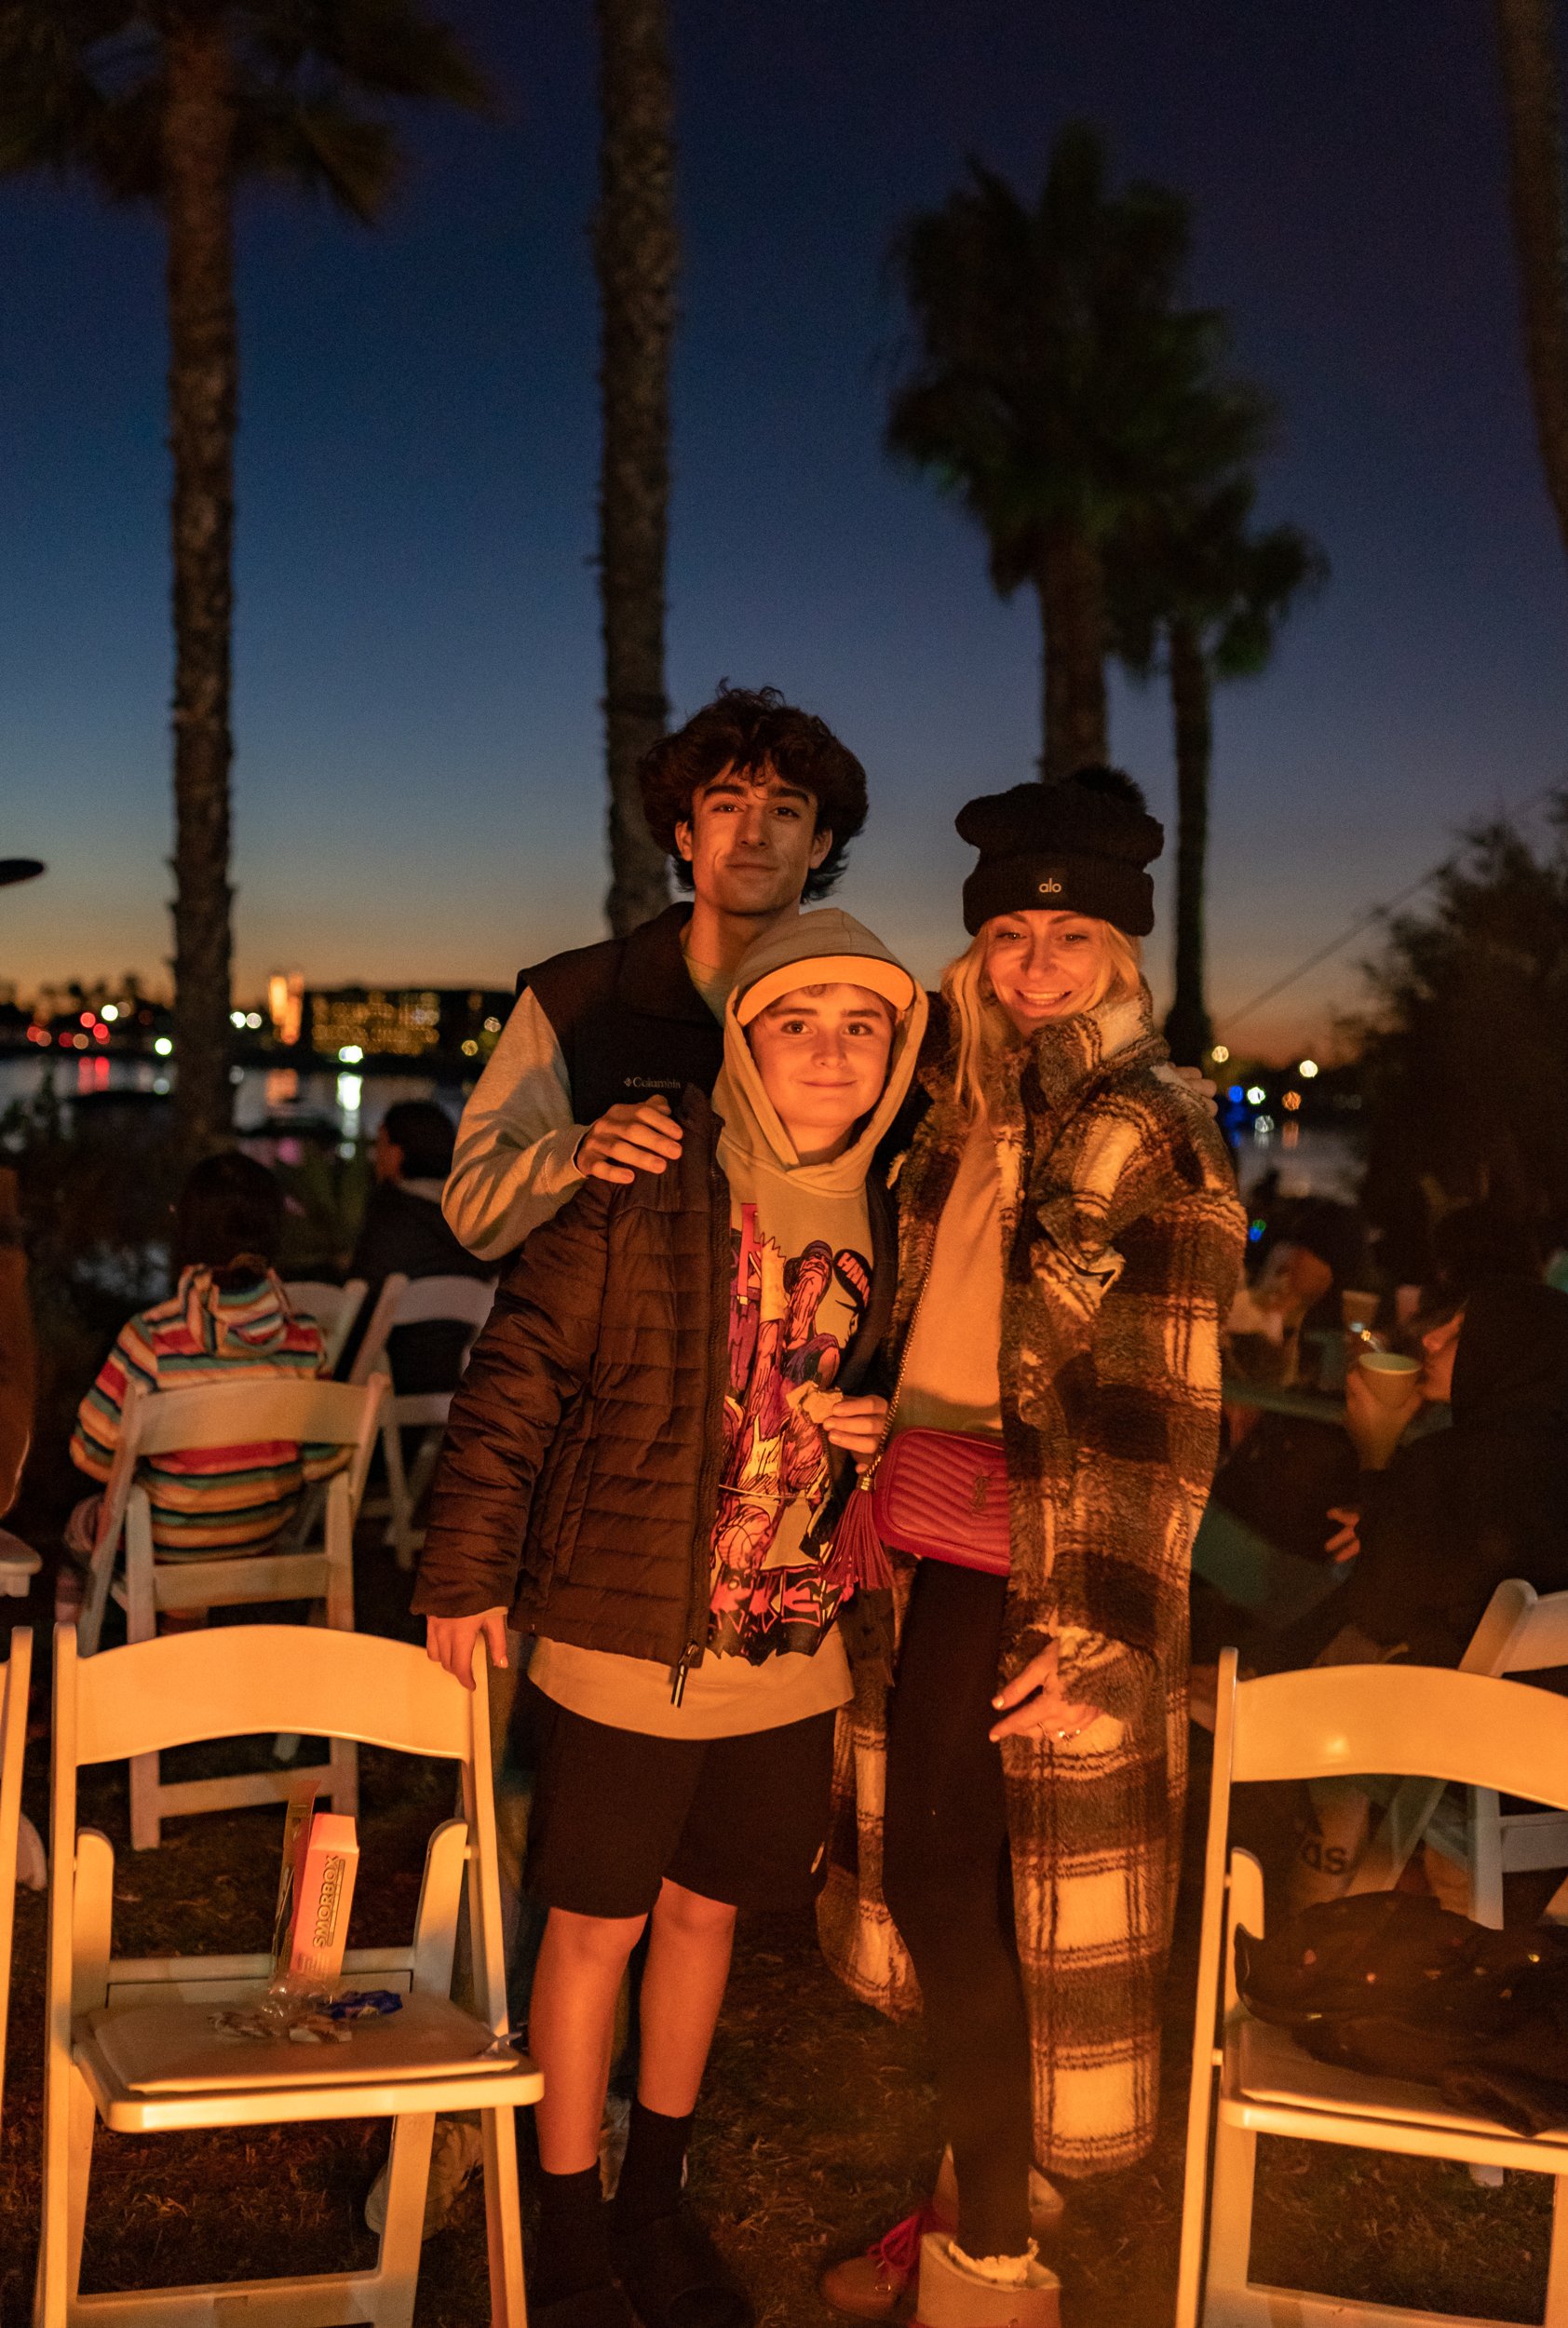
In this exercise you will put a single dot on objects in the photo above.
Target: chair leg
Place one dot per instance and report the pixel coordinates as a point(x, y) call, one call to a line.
point(68, 2125)
point(1486, 1858)
point(1556, 2313)
point(503, 2220)
point(1228, 2301)
point(408, 2176)
point(399, 1527)
point(142, 1624)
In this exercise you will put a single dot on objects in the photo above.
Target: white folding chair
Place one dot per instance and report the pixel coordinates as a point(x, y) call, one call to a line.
point(1520, 1632)
point(1250, 2078)
point(239, 1413)
point(129, 2041)
point(332, 1308)
point(417, 1302)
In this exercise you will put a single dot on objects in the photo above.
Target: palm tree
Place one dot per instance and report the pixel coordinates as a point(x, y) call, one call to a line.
point(636, 255)
point(172, 102)
point(1190, 579)
point(1053, 385)
point(1527, 35)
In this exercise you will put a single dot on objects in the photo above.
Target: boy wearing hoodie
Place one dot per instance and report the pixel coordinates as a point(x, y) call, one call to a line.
point(636, 1472)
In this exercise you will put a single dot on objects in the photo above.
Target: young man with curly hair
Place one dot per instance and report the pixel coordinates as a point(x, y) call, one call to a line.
point(757, 803)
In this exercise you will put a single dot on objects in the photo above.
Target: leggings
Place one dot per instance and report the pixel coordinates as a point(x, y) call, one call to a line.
point(947, 1881)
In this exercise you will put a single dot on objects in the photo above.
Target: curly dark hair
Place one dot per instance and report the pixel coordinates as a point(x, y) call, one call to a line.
point(750, 730)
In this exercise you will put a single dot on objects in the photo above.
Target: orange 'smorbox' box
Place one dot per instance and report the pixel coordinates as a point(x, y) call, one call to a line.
point(323, 1893)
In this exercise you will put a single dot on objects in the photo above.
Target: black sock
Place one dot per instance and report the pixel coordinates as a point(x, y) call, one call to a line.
point(573, 2250)
point(656, 2152)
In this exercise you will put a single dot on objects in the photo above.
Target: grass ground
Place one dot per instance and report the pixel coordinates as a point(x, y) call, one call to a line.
point(817, 2130)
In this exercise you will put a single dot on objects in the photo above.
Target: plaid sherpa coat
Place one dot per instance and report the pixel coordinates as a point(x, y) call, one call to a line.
point(1122, 1241)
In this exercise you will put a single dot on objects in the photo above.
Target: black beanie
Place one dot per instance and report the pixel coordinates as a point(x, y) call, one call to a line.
point(1076, 846)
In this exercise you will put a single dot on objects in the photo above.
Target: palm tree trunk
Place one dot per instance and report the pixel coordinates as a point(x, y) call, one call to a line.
point(1526, 37)
point(203, 371)
point(1186, 1028)
point(1072, 588)
point(636, 255)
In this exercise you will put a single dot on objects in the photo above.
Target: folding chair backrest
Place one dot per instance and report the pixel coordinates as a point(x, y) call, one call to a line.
point(332, 1308)
point(13, 1741)
point(1411, 1720)
point(405, 1301)
point(260, 1407)
point(234, 1681)
point(1539, 1637)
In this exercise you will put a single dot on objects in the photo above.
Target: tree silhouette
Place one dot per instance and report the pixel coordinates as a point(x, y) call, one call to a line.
point(636, 253)
point(1194, 586)
point(1053, 385)
point(172, 104)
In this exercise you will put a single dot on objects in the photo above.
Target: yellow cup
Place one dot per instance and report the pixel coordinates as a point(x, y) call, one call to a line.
point(1392, 1377)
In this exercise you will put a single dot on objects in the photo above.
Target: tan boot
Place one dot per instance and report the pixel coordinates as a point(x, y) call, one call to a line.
point(880, 2284)
point(952, 2297)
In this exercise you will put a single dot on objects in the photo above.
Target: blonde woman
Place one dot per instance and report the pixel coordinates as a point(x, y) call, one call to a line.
point(1069, 1241)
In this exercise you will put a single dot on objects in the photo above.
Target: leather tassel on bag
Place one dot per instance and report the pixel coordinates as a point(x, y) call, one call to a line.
point(858, 1558)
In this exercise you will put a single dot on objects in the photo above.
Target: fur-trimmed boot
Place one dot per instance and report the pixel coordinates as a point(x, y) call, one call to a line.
point(957, 2291)
point(880, 2284)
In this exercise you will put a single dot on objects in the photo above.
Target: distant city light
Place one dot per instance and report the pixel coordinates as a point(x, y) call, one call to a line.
point(1307, 1069)
point(1255, 1095)
point(1292, 1101)
point(1220, 1054)
point(236, 1018)
point(160, 1084)
point(470, 1049)
point(350, 1055)
point(1235, 1092)
point(253, 1019)
point(110, 1011)
point(163, 1047)
point(492, 1026)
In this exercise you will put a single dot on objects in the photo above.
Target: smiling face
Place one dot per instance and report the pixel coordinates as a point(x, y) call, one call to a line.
point(822, 1054)
point(1046, 966)
point(750, 840)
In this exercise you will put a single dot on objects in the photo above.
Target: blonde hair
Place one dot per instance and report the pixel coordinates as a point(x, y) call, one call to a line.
point(984, 1027)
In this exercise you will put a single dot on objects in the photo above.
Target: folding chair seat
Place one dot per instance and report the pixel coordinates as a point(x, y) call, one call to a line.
point(1248, 2079)
point(416, 1302)
point(332, 1308)
point(247, 1412)
point(130, 2044)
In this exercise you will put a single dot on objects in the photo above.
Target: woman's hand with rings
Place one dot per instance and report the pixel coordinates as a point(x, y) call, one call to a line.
point(1033, 1703)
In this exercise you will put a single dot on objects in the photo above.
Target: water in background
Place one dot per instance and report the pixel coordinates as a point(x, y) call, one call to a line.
point(1320, 1162)
point(352, 1105)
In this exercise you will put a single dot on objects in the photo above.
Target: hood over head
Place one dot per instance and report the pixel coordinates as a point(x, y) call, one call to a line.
point(253, 1317)
point(820, 949)
point(1511, 1365)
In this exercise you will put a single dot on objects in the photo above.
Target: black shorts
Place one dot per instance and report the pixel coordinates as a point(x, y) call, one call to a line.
point(742, 1820)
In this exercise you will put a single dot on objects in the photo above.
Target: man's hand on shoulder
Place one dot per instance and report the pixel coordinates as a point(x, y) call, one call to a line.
point(627, 1140)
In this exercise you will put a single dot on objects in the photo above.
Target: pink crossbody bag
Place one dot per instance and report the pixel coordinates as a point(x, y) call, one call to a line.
point(936, 1495)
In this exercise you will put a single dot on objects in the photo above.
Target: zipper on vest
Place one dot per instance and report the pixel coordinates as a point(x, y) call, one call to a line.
point(719, 1260)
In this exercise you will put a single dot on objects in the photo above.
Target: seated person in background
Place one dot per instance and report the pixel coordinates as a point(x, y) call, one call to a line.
point(1443, 1520)
point(1437, 1523)
point(403, 1233)
point(1476, 1243)
point(1319, 1254)
point(228, 1317)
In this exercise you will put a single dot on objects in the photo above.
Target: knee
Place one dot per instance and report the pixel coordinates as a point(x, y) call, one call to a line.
point(689, 1916)
point(593, 1942)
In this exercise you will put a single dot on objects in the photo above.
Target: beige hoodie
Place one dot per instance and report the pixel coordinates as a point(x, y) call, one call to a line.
point(803, 1264)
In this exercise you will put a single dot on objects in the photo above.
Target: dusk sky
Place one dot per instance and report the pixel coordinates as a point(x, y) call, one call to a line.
point(418, 774)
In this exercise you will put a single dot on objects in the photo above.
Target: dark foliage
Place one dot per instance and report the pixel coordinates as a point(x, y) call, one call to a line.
point(1465, 1049)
